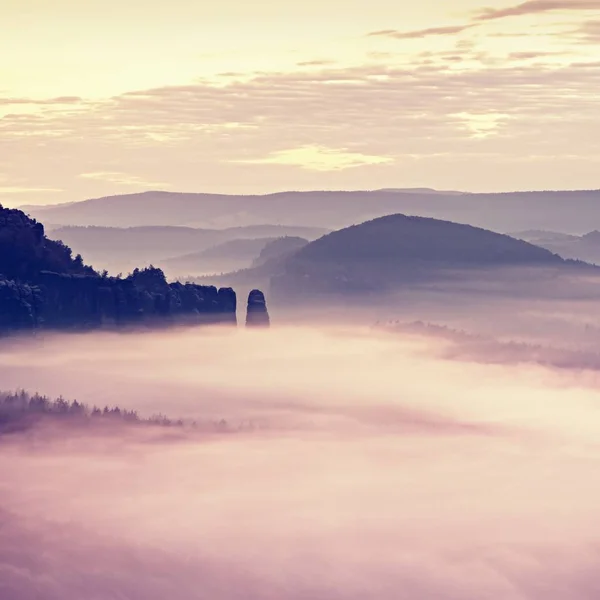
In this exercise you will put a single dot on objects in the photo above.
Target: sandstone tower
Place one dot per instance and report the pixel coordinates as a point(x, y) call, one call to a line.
point(257, 314)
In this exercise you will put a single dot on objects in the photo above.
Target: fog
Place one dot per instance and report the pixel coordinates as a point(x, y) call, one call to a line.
point(393, 464)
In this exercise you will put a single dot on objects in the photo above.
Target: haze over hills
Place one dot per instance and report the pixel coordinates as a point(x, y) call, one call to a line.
point(566, 211)
point(398, 252)
point(585, 247)
point(540, 235)
point(270, 262)
point(279, 248)
point(122, 249)
point(397, 249)
point(231, 255)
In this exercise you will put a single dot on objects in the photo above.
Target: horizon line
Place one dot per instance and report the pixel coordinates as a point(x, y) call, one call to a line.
point(423, 191)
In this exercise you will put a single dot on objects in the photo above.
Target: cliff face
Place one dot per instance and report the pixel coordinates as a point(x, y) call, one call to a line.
point(42, 285)
point(20, 305)
point(76, 301)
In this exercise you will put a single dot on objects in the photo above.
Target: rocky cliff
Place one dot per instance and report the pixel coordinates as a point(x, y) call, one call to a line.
point(257, 314)
point(42, 285)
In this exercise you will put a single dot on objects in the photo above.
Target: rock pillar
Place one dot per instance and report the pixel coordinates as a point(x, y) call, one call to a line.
point(257, 314)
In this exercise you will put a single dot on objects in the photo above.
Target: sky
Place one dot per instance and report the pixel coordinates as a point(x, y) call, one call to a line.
point(100, 98)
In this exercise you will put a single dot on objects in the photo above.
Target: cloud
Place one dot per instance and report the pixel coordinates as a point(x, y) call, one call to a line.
point(236, 133)
point(320, 158)
point(27, 190)
point(588, 32)
point(61, 100)
point(482, 125)
point(8, 186)
point(533, 55)
point(121, 179)
point(529, 7)
point(533, 7)
point(315, 63)
point(420, 33)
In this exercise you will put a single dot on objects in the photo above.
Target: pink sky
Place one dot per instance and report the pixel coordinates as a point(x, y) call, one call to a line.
point(111, 97)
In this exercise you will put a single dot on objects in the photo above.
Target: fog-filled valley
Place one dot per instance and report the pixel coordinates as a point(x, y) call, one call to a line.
point(299, 300)
point(359, 459)
point(402, 408)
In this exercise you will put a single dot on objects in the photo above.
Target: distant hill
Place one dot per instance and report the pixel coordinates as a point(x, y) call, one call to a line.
point(398, 249)
point(585, 247)
point(222, 258)
point(535, 236)
point(395, 252)
point(401, 239)
point(574, 212)
point(122, 249)
point(270, 262)
point(422, 191)
point(279, 248)
point(269, 253)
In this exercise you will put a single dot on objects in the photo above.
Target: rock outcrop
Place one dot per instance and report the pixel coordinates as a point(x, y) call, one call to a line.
point(257, 314)
point(145, 297)
point(42, 285)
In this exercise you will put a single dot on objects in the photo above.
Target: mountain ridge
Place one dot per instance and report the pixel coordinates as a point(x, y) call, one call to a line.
point(569, 211)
